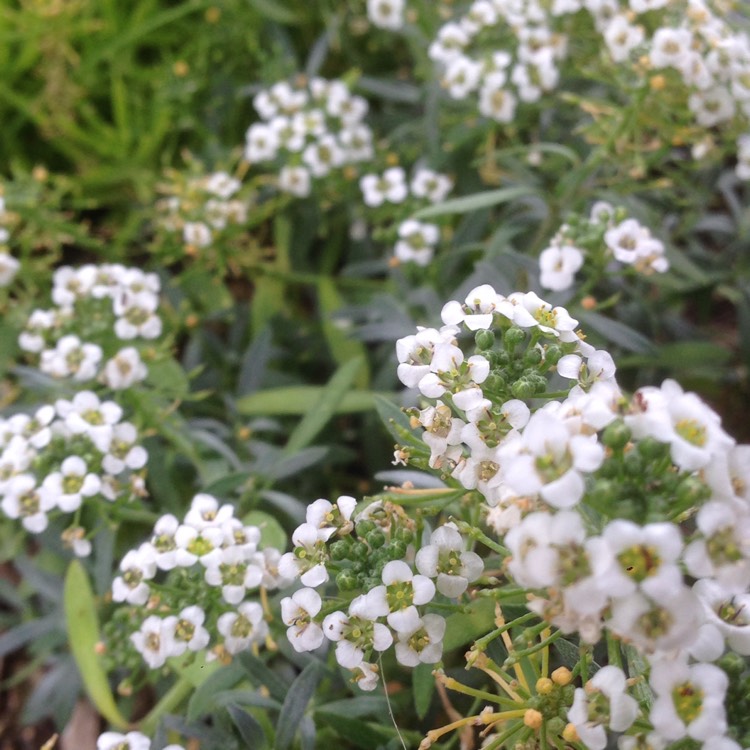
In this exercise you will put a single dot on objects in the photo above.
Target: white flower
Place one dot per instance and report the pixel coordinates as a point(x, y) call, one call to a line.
point(401, 593)
point(195, 545)
point(630, 557)
point(386, 14)
point(323, 155)
point(154, 641)
point(390, 187)
point(68, 487)
point(242, 628)
point(712, 107)
point(478, 309)
point(298, 612)
point(551, 461)
point(431, 185)
point(415, 353)
point(728, 612)
point(222, 185)
point(446, 559)
point(137, 567)
point(123, 453)
point(592, 717)
point(124, 369)
point(9, 267)
point(422, 643)
point(295, 181)
point(308, 560)
point(416, 242)
point(670, 47)
point(262, 143)
point(558, 265)
point(331, 518)
point(23, 499)
point(163, 542)
point(87, 415)
point(137, 316)
point(196, 234)
point(462, 76)
point(205, 511)
point(117, 741)
point(689, 700)
point(622, 37)
point(189, 633)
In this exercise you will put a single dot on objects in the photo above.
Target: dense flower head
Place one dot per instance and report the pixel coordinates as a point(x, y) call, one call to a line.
point(102, 315)
point(210, 557)
point(60, 457)
point(308, 129)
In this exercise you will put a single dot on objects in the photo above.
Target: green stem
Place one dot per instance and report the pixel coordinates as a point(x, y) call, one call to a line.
point(170, 700)
point(516, 656)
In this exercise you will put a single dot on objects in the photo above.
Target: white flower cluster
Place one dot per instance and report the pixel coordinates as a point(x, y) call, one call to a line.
point(309, 129)
point(64, 455)
point(225, 555)
point(97, 308)
point(677, 593)
point(386, 14)
point(128, 741)
point(510, 51)
point(9, 265)
point(416, 239)
point(202, 208)
point(625, 240)
point(389, 612)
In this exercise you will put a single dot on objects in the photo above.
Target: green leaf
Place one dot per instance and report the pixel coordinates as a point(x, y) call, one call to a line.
point(396, 422)
point(275, 11)
point(474, 202)
point(322, 411)
point(423, 687)
point(167, 377)
point(464, 627)
point(366, 735)
point(343, 347)
point(83, 635)
point(250, 730)
point(616, 332)
point(296, 702)
point(272, 533)
point(202, 700)
point(299, 399)
point(262, 676)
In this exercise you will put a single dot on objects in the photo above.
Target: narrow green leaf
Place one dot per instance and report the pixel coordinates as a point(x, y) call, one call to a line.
point(396, 422)
point(275, 11)
point(296, 702)
point(423, 687)
point(343, 347)
point(475, 202)
point(262, 676)
point(298, 399)
point(202, 700)
point(250, 730)
point(83, 635)
point(366, 735)
point(322, 411)
point(616, 332)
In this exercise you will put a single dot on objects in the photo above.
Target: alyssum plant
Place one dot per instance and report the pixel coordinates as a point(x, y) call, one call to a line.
point(621, 523)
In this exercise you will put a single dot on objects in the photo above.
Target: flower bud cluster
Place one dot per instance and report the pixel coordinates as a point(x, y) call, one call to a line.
point(309, 129)
point(629, 517)
point(606, 235)
point(508, 53)
point(65, 455)
point(202, 208)
point(194, 583)
point(97, 308)
point(368, 552)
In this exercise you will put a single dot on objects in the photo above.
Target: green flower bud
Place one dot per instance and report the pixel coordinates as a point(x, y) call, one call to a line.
point(484, 339)
point(532, 356)
point(691, 491)
point(732, 663)
point(553, 354)
point(396, 549)
point(365, 527)
point(360, 551)
point(340, 550)
point(513, 337)
point(404, 534)
point(652, 448)
point(375, 538)
point(346, 581)
point(523, 388)
point(616, 435)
